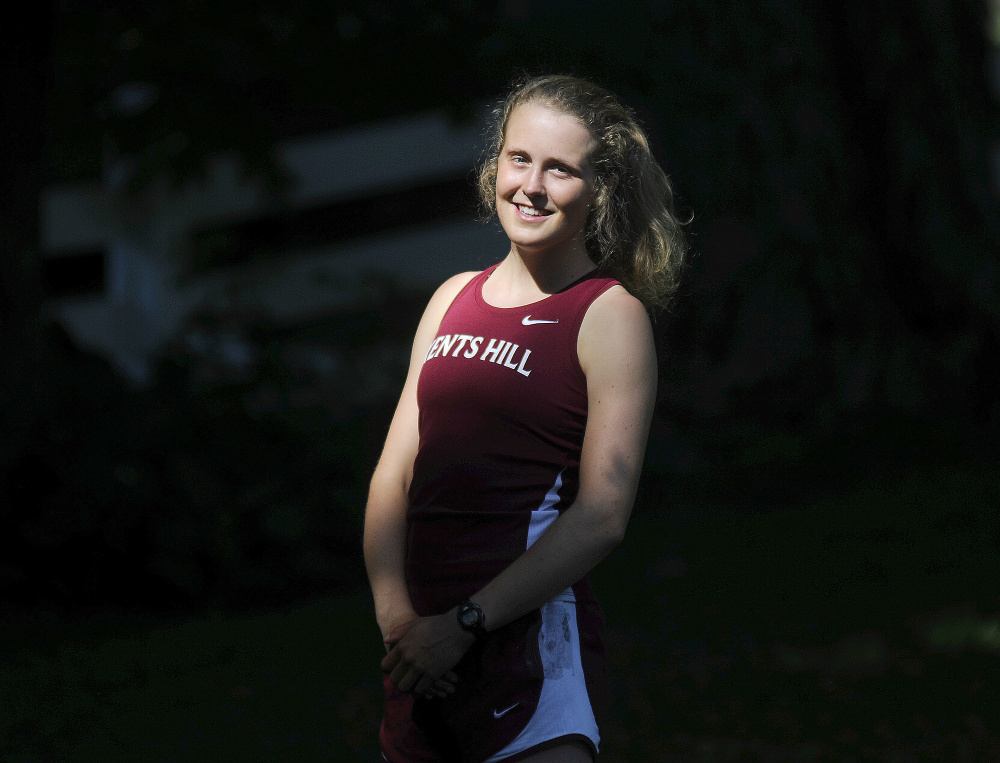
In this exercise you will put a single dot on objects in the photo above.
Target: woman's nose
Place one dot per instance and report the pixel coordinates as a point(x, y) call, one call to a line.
point(533, 185)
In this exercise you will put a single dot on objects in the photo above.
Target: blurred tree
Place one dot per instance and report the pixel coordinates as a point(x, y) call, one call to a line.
point(172, 83)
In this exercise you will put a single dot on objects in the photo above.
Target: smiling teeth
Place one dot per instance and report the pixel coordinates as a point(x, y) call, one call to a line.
point(531, 211)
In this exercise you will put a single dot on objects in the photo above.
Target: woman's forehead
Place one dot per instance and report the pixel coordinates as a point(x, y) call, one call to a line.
point(549, 126)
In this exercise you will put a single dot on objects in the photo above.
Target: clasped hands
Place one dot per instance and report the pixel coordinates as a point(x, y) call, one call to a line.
point(422, 652)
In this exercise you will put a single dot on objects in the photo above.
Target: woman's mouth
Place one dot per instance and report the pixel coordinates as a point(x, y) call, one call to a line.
point(528, 211)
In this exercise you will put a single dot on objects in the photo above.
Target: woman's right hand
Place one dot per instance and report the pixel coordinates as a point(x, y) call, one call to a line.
point(444, 685)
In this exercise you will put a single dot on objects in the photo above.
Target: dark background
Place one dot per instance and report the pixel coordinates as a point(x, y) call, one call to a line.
point(815, 541)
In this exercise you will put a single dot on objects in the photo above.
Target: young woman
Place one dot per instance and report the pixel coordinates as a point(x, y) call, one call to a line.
point(512, 460)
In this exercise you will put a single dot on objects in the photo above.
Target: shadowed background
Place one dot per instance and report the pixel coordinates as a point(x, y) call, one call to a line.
point(221, 224)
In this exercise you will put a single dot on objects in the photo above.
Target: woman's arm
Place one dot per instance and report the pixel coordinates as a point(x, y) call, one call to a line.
point(385, 513)
point(618, 356)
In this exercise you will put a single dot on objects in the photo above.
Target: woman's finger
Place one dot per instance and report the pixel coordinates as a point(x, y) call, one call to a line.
point(435, 692)
point(405, 677)
point(424, 685)
point(444, 686)
point(390, 661)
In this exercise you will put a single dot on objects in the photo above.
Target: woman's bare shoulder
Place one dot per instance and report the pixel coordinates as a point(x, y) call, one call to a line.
point(613, 310)
point(616, 328)
point(450, 288)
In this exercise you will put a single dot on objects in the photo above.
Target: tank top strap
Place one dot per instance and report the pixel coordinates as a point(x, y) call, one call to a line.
point(474, 286)
point(577, 298)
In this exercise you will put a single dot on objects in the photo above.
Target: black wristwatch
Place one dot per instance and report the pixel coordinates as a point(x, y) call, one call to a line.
point(472, 619)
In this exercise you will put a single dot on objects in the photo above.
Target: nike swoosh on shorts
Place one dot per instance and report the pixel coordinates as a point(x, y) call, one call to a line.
point(502, 713)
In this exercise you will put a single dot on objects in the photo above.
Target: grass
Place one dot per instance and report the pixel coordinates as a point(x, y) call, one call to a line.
point(291, 685)
point(861, 625)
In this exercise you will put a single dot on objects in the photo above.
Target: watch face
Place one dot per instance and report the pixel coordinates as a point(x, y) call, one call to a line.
point(469, 616)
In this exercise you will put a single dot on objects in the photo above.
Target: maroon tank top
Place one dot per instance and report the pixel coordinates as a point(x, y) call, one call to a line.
point(503, 408)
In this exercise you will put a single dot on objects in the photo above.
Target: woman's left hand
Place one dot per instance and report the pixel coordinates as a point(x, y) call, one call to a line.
point(426, 652)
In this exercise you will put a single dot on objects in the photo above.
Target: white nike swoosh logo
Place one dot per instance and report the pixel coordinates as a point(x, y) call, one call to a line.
point(502, 713)
point(528, 321)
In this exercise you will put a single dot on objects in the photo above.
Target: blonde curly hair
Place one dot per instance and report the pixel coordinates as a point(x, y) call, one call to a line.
point(633, 230)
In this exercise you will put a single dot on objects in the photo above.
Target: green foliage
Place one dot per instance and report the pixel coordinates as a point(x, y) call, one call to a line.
point(220, 483)
point(959, 631)
point(117, 495)
point(854, 621)
point(296, 684)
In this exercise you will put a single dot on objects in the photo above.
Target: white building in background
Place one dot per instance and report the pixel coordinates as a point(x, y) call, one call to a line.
point(149, 291)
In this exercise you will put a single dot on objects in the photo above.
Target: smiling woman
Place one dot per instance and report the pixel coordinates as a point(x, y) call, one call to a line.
point(511, 464)
point(544, 180)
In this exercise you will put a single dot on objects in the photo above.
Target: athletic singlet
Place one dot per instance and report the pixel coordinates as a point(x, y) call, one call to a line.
point(502, 413)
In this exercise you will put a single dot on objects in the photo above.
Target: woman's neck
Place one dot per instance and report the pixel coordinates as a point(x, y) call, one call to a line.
point(526, 277)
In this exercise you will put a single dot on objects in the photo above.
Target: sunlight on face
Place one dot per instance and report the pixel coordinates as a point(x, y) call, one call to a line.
point(545, 184)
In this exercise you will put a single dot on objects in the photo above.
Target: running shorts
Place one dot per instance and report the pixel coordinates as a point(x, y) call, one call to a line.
point(536, 682)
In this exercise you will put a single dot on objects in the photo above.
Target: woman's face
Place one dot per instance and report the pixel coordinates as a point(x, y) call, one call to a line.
point(545, 184)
